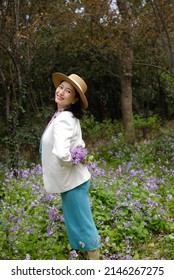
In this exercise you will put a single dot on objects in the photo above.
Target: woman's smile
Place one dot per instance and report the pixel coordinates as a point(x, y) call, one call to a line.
point(59, 97)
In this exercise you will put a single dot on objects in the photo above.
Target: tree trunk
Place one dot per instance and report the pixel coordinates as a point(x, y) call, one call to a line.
point(126, 99)
point(126, 71)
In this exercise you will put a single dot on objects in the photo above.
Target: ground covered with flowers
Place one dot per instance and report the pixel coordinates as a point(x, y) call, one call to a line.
point(132, 200)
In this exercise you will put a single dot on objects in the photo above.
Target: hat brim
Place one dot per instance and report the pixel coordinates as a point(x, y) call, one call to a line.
point(58, 78)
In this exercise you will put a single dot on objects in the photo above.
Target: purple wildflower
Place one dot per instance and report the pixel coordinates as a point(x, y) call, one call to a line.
point(53, 213)
point(73, 254)
point(78, 155)
point(82, 244)
point(27, 257)
point(50, 232)
point(106, 239)
point(33, 203)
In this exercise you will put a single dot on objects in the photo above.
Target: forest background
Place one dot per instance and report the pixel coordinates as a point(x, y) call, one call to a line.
point(124, 50)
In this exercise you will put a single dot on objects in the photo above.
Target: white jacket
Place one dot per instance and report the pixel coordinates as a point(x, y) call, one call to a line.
point(62, 135)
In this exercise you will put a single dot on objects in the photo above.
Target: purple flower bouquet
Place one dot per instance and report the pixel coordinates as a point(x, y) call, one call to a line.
point(78, 155)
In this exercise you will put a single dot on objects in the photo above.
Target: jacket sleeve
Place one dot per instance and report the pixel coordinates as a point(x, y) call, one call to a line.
point(63, 134)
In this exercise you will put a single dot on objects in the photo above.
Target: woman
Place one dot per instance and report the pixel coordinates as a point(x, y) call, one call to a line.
point(60, 174)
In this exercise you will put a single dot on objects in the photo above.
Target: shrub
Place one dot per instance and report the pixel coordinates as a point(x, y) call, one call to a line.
point(145, 127)
point(94, 131)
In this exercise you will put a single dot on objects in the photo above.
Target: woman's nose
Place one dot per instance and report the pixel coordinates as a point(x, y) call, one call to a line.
point(62, 91)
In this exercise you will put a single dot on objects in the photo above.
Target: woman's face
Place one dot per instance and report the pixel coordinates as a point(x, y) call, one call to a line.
point(65, 95)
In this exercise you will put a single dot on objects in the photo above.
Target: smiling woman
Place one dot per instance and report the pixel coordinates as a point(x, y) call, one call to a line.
point(60, 174)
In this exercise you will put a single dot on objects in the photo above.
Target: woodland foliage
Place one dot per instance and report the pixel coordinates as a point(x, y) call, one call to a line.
point(123, 50)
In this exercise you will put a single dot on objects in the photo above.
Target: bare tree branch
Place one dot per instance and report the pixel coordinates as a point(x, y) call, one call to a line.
point(154, 66)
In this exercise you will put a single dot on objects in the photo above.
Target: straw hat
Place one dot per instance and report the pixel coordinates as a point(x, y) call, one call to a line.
point(77, 82)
